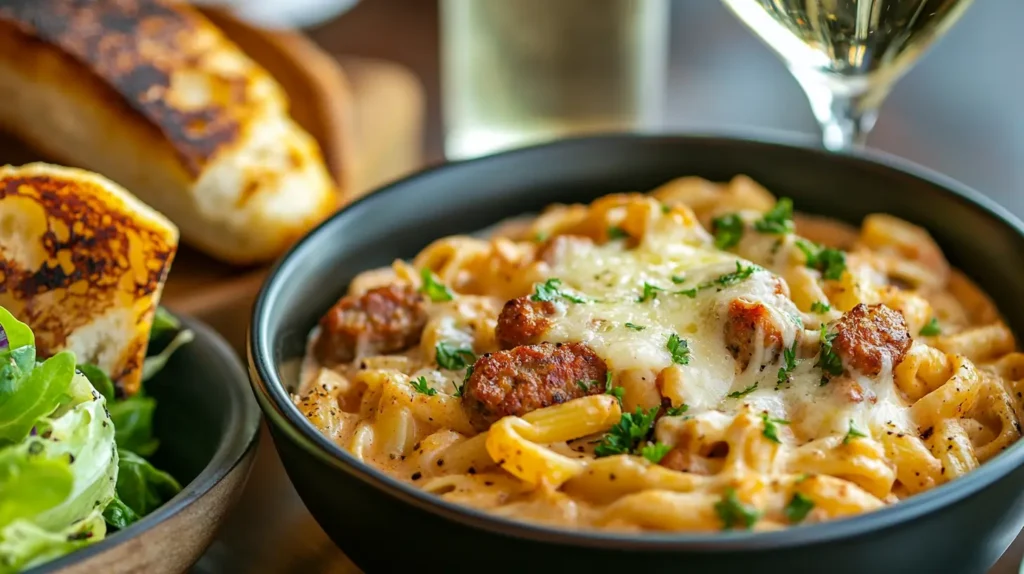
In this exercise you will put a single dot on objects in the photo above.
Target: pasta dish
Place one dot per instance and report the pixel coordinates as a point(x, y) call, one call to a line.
point(695, 358)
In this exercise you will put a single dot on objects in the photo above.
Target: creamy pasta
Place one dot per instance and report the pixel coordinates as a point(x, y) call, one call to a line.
point(696, 358)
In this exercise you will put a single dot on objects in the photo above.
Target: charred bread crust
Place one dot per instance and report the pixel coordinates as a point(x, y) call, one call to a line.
point(250, 180)
point(83, 263)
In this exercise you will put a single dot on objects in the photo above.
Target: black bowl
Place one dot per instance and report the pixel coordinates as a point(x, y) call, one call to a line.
point(207, 423)
point(384, 525)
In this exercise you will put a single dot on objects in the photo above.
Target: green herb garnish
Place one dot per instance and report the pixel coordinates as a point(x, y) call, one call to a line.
point(743, 393)
point(420, 384)
point(459, 388)
point(617, 392)
point(829, 362)
point(551, 290)
point(728, 230)
point(655, 452)
point(434, 289)
point(676, 411)
point(650, 292)
point(789, 357)
point(931, 329)
point(734, 513)
point(853, 433)
point(830, 262)
point(678, 279)
point(635, 327)
point(771, 430)
point(798, 508)
point(778, 220)
point(453, 358)
point(627, 434)
point(742, 272)
point(679, 349)
point(616, 232)
point(820, 307)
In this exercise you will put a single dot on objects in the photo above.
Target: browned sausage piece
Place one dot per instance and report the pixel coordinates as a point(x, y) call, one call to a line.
point(741, 327)
point(869, 336)
point(386, 319)
point(527, 378)
point(522, 321)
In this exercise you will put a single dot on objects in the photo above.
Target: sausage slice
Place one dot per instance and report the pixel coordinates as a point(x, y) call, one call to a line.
point(526, 378)
point(869, 336)
point(383, 320)
point(744, 320)
point(523, 321)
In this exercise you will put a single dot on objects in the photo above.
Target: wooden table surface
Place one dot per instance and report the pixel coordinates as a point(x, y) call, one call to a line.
point(959, 111)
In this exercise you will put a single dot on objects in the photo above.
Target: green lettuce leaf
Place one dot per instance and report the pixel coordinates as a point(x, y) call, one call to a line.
point(35, 394)
point(119, 515)
point(24, 544)
point(163, 322)
point(99, 380)
point(140, 486)
point(133, 424)
point(56, 481)
point(30, 485)
point(154, 364)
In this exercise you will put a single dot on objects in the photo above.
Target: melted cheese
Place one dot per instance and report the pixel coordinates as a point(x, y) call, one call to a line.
point(612, 278)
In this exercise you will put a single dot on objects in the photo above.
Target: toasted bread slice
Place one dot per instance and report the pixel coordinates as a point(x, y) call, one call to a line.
point(152, 95)
point(83, 263)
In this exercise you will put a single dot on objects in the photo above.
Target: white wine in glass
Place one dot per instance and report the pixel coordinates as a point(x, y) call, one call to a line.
point(846, 54)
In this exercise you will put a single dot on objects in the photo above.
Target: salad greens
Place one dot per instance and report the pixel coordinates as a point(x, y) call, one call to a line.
point(71, 452)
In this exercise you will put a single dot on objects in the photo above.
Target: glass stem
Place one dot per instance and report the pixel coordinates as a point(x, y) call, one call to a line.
point(846, 114)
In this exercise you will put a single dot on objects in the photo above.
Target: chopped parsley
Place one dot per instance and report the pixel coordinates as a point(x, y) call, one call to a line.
point(771, 429)
point(789, 356)
point(655, 452)
point(609, 389)
point(453, 358)
point(778, 220)
point(635, 327)
point(820, 307)
point(665, 208)
point(459, 388)
point(551, 290)
point(931, 329)
point(734, 513)
point(433, 288)
point(616, 232)
point(627, 434)
point(830, 262)
point(829, 362)
point(742, 272)
point(676, 411)
point(798, 508)
point(678, 279)
point(421, 386)
point(540, 237)
point(853, 433)
point(679, 349)
point(743, 393)
point(728, 230)
point(650, 292)
point(586, 385)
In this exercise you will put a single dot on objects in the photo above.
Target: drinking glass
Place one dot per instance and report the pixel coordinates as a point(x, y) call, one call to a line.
point(516, 72)
point(847, 54)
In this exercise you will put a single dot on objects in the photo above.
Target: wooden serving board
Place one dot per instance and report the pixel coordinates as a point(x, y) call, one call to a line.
point(367, 116)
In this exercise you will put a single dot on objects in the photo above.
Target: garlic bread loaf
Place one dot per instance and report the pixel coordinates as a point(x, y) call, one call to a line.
point(84, 264)
point(152, 95)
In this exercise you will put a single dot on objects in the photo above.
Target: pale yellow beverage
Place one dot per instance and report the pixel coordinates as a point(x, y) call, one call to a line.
point(517, 72)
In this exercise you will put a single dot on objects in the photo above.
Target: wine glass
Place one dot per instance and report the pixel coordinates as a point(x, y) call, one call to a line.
point(847, 54)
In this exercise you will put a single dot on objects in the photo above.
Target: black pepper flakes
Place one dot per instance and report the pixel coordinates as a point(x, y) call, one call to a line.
point(417, 475)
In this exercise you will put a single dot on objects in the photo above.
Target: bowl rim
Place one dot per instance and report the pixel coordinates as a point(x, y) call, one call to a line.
point(243, 416)
point(288, 421)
